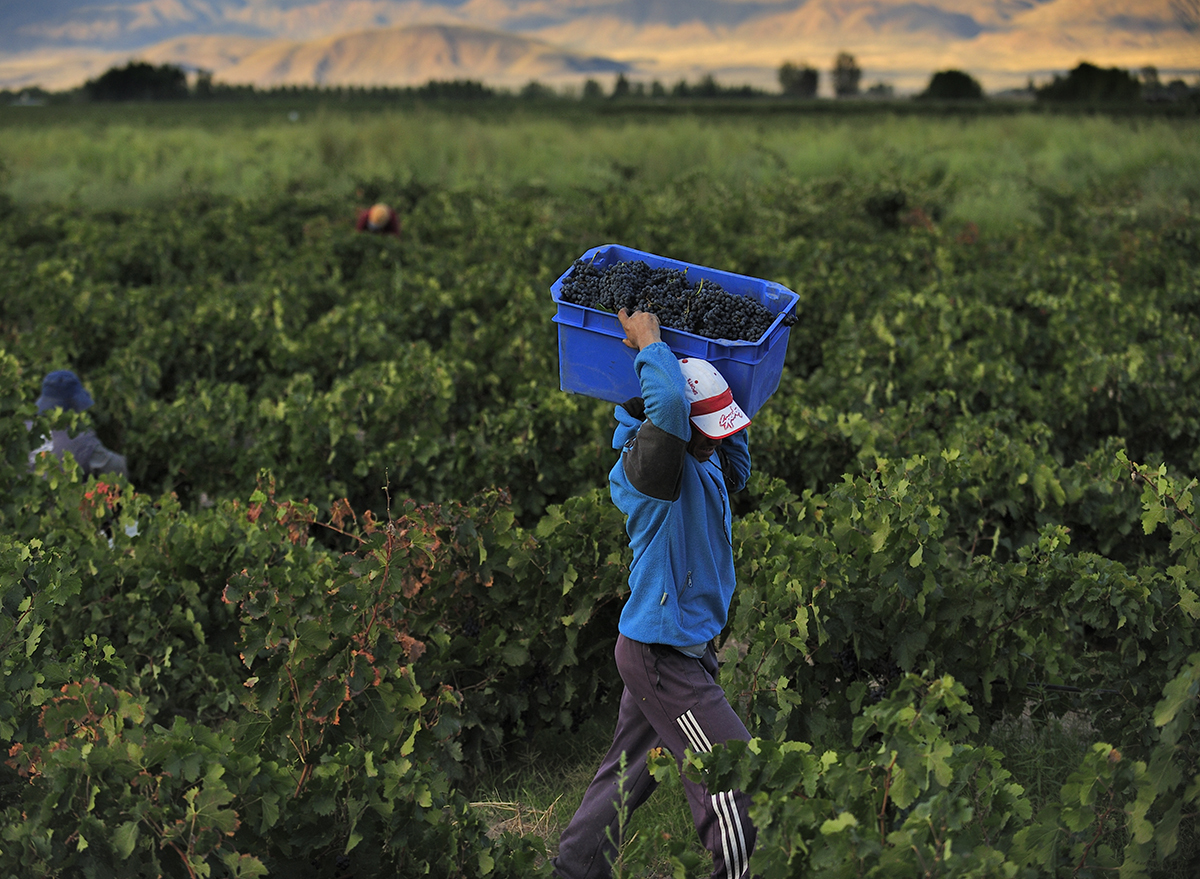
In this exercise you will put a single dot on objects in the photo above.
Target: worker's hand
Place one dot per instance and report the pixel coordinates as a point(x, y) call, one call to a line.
point(641, 328)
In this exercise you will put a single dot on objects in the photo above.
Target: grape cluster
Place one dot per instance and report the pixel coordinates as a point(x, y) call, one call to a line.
point(539, 678)
point(703, 309)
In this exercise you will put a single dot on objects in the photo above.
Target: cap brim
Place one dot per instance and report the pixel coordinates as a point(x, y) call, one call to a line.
point(722, 423)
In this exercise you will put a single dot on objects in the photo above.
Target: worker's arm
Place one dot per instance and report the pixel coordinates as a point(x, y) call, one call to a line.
point(654, 459)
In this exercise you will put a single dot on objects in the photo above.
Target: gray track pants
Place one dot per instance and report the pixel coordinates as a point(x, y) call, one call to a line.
point(672, 701)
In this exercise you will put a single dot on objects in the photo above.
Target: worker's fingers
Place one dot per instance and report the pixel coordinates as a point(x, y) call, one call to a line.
point(623, 317)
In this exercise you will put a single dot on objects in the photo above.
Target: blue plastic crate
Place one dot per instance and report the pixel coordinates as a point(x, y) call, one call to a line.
point(594, 360)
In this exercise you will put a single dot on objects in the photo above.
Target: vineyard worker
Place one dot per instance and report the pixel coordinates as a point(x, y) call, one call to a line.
point(378, 218)
point(683, 449)
point(62, 389)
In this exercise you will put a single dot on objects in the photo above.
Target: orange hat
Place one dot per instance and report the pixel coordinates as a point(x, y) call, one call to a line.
point(378, 216)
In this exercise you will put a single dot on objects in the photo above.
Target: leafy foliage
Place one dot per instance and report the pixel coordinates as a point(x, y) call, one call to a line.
point(954, 85)
point(1087, 82)
point(138, 81)
point(366, 547)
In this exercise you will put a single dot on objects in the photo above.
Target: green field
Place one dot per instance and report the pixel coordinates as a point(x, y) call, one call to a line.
point(353, 612)
point(993, 169)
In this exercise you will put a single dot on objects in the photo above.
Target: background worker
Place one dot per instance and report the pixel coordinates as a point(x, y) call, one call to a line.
point(62, 389)
point(683, 448)
point(378, 218)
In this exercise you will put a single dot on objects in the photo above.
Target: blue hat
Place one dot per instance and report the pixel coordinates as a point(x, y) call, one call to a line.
point(62, 388)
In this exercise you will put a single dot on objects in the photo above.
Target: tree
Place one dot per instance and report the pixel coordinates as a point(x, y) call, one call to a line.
point(138, 81)
point(592, 90)
point(952, 85)
point(621, 88)
point(1152, 86)
point(798, 81)
point(534, 90)
point(707, 87)
point(1087, 82)
point(846, 74)
point(204, 84)
point(454, 89)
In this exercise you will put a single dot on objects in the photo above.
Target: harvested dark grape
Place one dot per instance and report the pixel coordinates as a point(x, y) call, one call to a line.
point(703, 308)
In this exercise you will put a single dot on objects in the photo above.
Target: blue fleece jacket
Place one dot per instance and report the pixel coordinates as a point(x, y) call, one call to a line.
point(677, 512)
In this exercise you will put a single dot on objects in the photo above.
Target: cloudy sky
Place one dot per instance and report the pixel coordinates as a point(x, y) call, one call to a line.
point(60, 43)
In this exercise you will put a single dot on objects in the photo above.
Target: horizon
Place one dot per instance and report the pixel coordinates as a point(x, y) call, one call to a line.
point(1003, 44)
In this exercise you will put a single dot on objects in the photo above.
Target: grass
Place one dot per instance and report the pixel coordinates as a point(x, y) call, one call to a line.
point(990, 168)
point(1042, 750)
point(536, 789)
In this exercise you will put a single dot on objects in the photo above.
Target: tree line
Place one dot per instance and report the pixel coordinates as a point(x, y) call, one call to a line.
point(1086, 83)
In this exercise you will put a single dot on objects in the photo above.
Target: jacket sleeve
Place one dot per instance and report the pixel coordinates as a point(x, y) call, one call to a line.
point(653, 460)
point(104, 460)
point(664, 391)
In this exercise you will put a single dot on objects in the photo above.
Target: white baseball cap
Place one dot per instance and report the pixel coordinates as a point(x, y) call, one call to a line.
point(714, 412)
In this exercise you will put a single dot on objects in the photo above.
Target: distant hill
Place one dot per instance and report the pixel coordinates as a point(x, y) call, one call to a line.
point(390, 56)
point(60, 43)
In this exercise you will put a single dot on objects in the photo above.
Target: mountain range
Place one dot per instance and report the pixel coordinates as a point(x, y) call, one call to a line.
point(59, 44)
